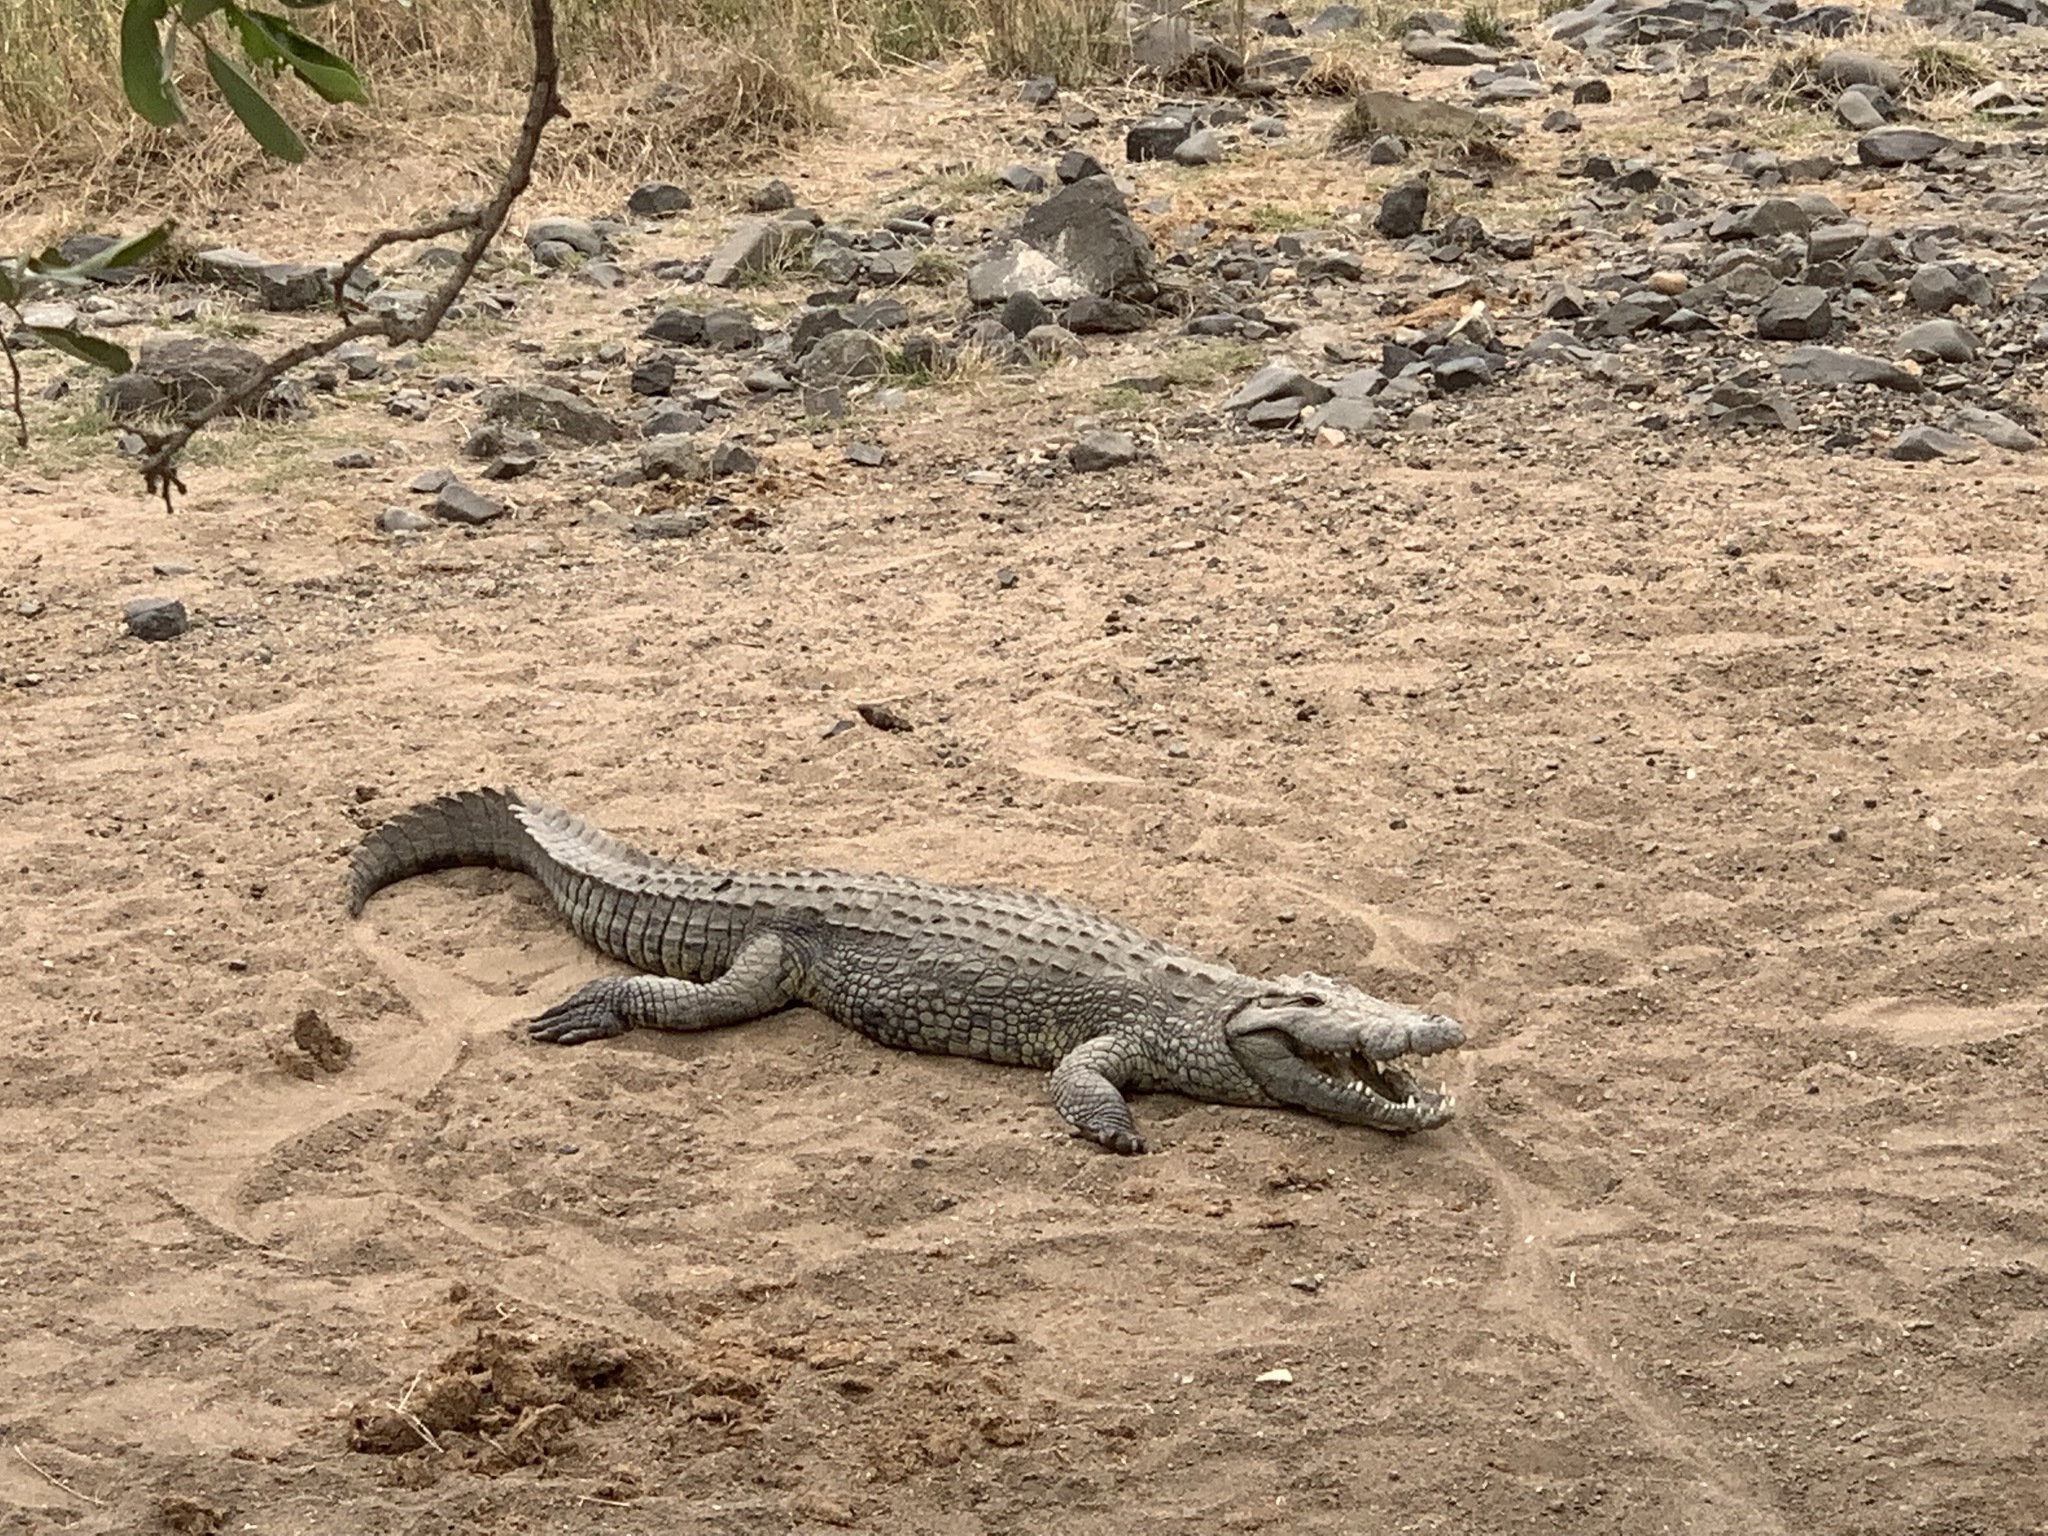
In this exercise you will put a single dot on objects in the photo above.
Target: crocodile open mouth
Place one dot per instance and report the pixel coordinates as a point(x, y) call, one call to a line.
point(1382, 1093)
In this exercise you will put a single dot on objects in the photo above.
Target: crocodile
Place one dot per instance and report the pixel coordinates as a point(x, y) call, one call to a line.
point(999, 975)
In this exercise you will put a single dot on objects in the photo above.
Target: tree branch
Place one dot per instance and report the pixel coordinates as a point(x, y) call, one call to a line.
point(13, 367)
point(543, 105)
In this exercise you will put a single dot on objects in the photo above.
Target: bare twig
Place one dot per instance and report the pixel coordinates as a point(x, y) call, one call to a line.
point(20, 416)
point(58, 1482)
point(543, 105)
point(426, 1435)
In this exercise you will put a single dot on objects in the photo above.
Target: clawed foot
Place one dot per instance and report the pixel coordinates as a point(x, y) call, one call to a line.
point(1127, 1143)
point(591, 1012)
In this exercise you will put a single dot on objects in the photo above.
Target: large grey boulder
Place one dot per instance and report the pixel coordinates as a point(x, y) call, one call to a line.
point(757, 246)
point(549, 411)
point(1086, 229)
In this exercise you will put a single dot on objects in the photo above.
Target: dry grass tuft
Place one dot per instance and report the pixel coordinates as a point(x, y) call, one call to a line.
point(65, 129)
point(1334, 75)
point(1074, 41)
point(1935, 69)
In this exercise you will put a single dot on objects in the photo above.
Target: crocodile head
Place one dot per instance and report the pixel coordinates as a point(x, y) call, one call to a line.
point(1324, 1046)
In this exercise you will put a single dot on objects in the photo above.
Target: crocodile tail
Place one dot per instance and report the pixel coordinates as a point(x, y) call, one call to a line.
point(478, 826)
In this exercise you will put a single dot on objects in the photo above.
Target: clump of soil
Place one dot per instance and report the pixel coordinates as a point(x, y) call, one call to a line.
point(315, 1047)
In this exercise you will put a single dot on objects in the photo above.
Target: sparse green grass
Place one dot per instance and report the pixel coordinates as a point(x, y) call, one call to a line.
point(935, 268)
point(756, 72)
point(1119, 401)
point(1074, 41)
point(1482, 24)
point(1935, 69)
point(226, 325)
point(1273, 218)
point(1203, 362)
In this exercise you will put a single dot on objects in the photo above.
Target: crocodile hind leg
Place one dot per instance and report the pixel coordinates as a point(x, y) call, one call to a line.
point(758, 982)
point(1085, 1091)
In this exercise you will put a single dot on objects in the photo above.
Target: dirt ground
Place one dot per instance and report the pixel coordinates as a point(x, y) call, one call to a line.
point(1703, 782)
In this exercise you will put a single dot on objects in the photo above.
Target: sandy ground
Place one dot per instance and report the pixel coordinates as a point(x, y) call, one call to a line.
point(1704, 783)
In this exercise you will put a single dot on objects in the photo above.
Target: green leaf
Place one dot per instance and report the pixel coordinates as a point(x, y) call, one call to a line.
point(277, 136)
point(257, 47)
point(333, 77)
point(193, 12)
point(87, 349)
point(12, 290)
point(126, 253)
point(145, 75)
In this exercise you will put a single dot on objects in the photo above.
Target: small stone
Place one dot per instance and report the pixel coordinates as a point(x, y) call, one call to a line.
point(1832, 366)
point(1386, 150)
point(668, 525)
point(1021, 178)
point(1899, 146)
point(1090, 316)
point(1097, 451)
point(1592, 93)
point(355, 458)
point(1203, 147)
point(1023, 313)
point(679, 327)
point(1275, 415)
point(845, 357)
point(155, 618)
point(653, 376)
point(824, 400)
point(428, 481)
point(1795, 313)
point(1857, 111)
point(1939, 341)
point(731, 458)
point(1078, 165)
point(1039, 92)
point(1561, 120)
point(1446, 52)
point(555, 412)
point(731, 330)
point(1048, 343)
point(1280, 1376)
point(771, 197)
point(403, 520)
point(882, 717)
point(757, 246)
point(457, 503)
point(1155, 138)
point(1403, 209)
point(1920, 445)
point(657, 200)
point(1934, 290)
point(867, 455)
point(1996, 428)
point(671, 458)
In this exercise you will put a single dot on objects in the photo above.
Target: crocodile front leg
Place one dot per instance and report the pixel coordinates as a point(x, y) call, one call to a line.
point(759, 981)
point(1085, 1091)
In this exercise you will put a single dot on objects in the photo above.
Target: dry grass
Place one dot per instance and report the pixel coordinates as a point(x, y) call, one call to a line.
point(758, 72)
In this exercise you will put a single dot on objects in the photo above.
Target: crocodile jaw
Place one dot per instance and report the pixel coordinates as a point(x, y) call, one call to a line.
point(1324, 1046)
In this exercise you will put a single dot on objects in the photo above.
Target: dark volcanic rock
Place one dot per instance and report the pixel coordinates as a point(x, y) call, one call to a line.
point(1900, 146)
point(155, 618)
point(457, 503)
point(1795, 313)
point(550, 411)
point(1832, 366)
point(1103, 450)
point(1920, 445)
point(1403, 209)
point(1086, 229)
